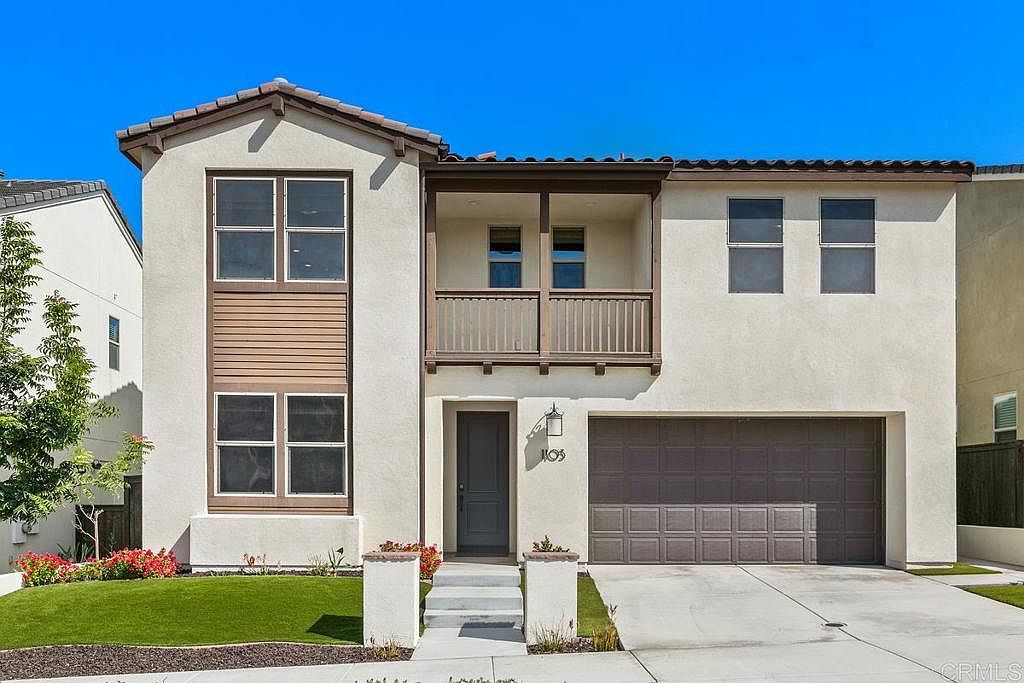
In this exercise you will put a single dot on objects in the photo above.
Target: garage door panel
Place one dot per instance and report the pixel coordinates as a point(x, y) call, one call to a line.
point(678, 490)
point(718, 490)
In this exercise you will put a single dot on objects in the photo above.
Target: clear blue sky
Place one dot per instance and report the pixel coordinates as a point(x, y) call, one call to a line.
point(928, 79)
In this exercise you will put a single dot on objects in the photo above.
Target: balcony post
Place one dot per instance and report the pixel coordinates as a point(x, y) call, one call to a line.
point(430, 255)
point(656, 283)
point(544, 264)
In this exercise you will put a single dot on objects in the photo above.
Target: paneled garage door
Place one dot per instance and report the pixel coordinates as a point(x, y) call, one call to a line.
point(726, 490)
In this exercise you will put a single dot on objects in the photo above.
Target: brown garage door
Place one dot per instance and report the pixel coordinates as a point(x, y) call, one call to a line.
point(724, 490)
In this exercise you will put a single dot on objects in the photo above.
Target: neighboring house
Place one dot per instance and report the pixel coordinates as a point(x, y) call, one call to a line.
point(90, 256)
point(353, 335)
point(990, 297)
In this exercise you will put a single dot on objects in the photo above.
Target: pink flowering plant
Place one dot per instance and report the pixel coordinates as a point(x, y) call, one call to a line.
point(134, 563)
point(430, 556)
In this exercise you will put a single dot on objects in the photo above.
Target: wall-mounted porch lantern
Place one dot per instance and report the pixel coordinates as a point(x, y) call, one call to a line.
point(553, 421)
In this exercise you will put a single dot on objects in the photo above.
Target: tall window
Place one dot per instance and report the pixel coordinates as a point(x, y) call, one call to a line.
point(243, 219)
point(244, 442)
point(568, 258)
point(1004, 417)
point(315, 223)
point(505, 257)
point(113, 343)
point(316, 445)
point(755, 246)
point(847, 246)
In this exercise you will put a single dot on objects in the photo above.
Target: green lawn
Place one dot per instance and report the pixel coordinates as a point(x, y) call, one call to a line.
point(1011, 595)
point(956, 570)
point(187, 611)
point(590, 609)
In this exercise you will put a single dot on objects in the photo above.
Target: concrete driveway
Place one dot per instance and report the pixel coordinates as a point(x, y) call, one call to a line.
point(703, 623)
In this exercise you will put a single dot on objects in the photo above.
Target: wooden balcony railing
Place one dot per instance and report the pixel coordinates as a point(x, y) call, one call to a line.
point(505, 326)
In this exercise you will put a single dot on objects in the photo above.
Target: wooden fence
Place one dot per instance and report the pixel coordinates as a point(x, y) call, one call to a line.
point(990, 484)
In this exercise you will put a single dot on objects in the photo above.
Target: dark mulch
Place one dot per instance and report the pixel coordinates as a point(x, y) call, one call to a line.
point(574, 645)
point(88, 660)
point(268, 572)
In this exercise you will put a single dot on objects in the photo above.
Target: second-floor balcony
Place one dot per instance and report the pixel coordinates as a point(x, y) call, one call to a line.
point(542, 279)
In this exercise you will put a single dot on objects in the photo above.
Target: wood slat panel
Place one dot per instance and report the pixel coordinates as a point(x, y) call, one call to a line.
point(280, 337)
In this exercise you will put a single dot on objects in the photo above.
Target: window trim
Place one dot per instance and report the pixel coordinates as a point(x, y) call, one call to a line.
point(998, 398)
point(216, 229)
point(490, 260)
point(822, 245)
point(343, 444)
point(586, 251)
point(115, 342)
point(217, 443)
point(730, 245)
point(343, 230)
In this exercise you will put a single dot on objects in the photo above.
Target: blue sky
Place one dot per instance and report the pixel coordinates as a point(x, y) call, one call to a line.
point(895, 79)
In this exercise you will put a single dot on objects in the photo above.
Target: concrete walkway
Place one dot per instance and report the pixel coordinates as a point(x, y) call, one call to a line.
point(469, 642)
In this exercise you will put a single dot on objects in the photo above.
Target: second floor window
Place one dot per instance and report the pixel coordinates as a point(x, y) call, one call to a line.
point(755, 246)
point(243, 218)
point(847, 246)
point(113, 343)
point(250, 215)
point(568, 258)
point(1004, 417)
point(505, 257)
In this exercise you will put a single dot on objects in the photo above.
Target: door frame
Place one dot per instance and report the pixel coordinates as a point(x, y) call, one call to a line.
point(505, 425)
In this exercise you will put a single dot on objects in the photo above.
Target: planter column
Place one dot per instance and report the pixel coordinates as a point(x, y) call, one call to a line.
point(391, 598)
point(550, 593)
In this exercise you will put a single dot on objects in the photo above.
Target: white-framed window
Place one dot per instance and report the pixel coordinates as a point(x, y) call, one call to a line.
point(315, 439)
point(316, 225)
point(1004, 417)
point(847, 236)
point(245, 426)
point(243, 221)
point(755, 245)
point(568, 258)
point(504, 256)
point(113, 343)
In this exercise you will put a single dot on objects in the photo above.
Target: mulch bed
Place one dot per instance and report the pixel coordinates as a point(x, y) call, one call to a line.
point(574, 645)
point(88, 660)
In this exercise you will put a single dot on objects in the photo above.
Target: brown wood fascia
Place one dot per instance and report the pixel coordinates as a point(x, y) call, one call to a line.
point(277, 102)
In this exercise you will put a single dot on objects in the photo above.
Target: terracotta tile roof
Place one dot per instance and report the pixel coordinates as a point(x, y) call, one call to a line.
point(284, 87)
point(1003, 168)
point(15, 193)
point(736, 164)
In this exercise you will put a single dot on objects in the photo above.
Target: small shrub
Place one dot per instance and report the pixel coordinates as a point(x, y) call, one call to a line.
point(553, 638)
point(137, 563)
point(90, 570)
point(335, 559)
point(385, 650)
point(42, 570)
point(318, 567)
point(257, 564)
point(546, 546)
point(430, 556)
point(607, 639)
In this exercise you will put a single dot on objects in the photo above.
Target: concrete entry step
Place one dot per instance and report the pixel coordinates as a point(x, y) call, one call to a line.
point(468, 574)
point(457, 618)
point(479, 598)
point(470, 641)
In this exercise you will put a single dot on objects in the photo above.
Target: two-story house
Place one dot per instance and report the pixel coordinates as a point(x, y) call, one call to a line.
point(91, 256)
point(352, 334)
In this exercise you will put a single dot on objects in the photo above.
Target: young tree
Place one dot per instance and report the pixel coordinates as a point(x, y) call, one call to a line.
point(46, 400)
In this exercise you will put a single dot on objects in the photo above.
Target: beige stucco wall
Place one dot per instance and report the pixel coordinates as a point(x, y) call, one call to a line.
point(798, 353)
point(385, 243)
point(288, 541)
point(88, 258)
point(990, 292)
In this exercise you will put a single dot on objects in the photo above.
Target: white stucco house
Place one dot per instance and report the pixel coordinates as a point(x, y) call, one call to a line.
point(91, 256)
point(353, 334)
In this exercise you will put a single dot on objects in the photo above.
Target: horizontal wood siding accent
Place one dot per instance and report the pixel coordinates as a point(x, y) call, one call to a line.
point(282, 337)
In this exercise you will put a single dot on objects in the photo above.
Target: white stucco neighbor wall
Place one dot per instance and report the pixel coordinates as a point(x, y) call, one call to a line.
point(385, 241)
point(992, 543)
point(290, 541)
point(888, 354)
point(88, 257)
